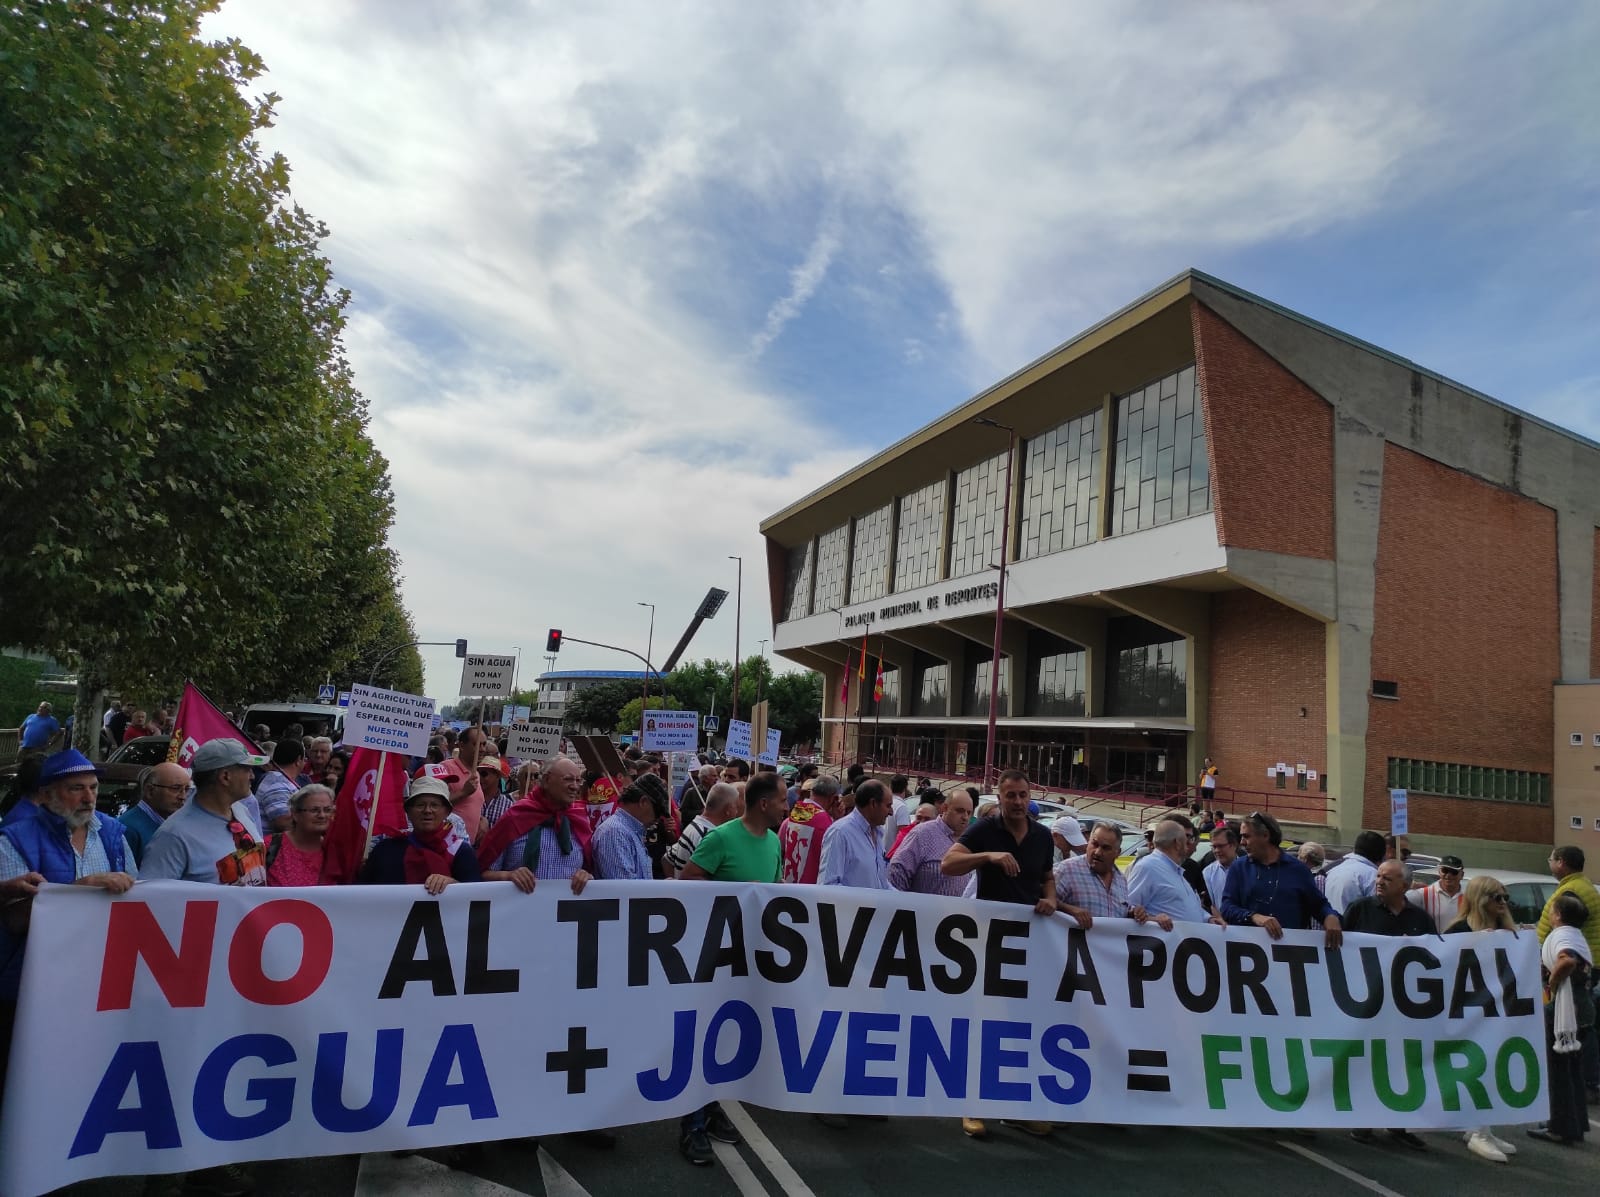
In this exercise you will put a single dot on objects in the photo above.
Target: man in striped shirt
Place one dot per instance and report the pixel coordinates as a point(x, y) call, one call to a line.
point(723, 802)
point(915, 867)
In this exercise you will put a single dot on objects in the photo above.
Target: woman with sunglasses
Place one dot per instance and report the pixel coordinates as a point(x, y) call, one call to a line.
point(1485, 906)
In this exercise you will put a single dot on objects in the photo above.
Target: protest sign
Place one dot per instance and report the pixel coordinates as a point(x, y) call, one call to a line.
point(1399, 813)
point(487, 676)
point(534, 740)
point(770, 755)
point(388, 721)
point(671, 731)
point(680, 765)
point(738, 742)
point(224, 1026)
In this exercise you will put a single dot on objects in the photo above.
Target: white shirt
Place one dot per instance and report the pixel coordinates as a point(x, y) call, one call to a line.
point(898, 818)
point(1439, 906)
point(1353, 877)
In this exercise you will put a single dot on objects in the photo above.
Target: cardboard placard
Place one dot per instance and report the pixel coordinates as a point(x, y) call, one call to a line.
point(770, 756)
point(534, 739)
point(671, 731)
point(738, 744)
point(486, 675)
point(388, 721)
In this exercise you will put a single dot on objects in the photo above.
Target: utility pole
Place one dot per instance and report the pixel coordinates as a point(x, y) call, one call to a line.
point(1000, 601)
point(649, 647)
point(761, 674)
point(738, 622)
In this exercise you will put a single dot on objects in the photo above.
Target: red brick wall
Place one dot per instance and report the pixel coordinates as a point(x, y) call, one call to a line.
point(1466, 620)
point(1594, 613)
point(1270, 440)
point(1267, 663)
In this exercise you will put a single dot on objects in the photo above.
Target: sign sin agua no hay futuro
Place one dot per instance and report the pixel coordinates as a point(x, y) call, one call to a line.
point(232, 1024)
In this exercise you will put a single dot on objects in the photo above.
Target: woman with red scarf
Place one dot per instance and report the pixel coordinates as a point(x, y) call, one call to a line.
point(433, 855)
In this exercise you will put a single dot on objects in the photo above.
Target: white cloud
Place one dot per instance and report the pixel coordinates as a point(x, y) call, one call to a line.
point(576, 231)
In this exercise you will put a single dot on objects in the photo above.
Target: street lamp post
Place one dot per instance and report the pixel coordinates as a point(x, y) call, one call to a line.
point(649, 653)
point(1000, 601)
point(761, 676)
point(738, 622)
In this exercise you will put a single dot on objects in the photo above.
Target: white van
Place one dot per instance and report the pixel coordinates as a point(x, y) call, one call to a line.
point(317, 719)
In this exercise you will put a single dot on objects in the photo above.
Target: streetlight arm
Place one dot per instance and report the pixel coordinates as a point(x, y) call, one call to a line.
point(372, 680)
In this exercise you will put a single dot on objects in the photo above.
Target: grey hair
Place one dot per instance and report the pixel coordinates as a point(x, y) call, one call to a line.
point(328, 740)
point(825, 787)
point(298, 799)
point(721, 796)
point(1169, 832)
point(1311, 851)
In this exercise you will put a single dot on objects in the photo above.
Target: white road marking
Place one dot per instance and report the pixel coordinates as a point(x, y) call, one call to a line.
point(743, 1175)
point(1365, 1182)
point(381, 1174)
point(558, 1182)
point(782, 1171)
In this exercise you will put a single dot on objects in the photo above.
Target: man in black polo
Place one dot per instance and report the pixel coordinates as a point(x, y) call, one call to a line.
point(1014, 854)
point(1385, 911)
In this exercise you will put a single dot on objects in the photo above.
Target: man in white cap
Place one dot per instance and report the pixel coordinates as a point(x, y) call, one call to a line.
point(1068, 835)
point(212, 839)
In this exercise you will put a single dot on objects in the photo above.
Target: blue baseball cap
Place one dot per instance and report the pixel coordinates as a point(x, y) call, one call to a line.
point(64, 764)
point(1033, 808)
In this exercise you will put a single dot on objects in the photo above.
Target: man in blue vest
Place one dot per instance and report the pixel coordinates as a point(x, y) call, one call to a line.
point(67, 842)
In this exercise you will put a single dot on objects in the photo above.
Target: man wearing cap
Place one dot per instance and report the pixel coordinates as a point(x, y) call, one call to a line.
point(434, 854)
point(66, 842)
point(1444, 900)
point(915, 867)
point(162, 789)
point(212, 839)
point(619, 847)
point(1068, 835)
point(38, 729)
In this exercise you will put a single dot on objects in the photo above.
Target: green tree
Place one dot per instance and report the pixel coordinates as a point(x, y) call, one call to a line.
point(796, 706)
point(598, 706)
point(182, 426)
point(628, 717)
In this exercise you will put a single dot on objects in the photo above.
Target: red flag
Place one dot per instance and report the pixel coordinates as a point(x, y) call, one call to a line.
point(197, 721)
point(844, 685)
point(362, 791)
point(861, 668)
point(877, 685)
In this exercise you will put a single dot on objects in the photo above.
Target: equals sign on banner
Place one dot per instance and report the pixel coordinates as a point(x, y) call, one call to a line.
point(1156, 1079)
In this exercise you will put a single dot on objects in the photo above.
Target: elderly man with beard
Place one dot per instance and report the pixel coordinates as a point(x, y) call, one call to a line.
point(67, 842)
point(545, 836)
point(162, 789)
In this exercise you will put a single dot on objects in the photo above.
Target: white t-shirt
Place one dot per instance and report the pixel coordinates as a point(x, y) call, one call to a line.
point(898, 818)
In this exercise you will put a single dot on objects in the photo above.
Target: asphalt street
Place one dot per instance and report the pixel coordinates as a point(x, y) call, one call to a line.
point(794, 1155)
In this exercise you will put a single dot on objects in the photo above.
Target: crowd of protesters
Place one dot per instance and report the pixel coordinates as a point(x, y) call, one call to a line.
point(472, 814)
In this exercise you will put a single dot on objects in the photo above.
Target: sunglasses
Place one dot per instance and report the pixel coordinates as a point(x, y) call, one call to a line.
point(1500, 897)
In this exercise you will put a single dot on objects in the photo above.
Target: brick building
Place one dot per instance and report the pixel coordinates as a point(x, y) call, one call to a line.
point(1235, 533)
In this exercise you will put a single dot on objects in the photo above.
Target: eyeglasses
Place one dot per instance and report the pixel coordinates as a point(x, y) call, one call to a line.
point(174, 788)
point(316, 810)
point(1500, 897)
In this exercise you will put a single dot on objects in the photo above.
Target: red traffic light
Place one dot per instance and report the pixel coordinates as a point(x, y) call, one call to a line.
point(552, 643)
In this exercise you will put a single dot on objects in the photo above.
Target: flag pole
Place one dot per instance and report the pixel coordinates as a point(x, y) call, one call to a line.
point(877, 698)
point(372, 815)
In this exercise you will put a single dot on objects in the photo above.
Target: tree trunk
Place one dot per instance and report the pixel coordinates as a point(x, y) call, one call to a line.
point(88, 708)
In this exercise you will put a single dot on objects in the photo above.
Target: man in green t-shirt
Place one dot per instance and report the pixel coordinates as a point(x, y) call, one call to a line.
point(744, 849)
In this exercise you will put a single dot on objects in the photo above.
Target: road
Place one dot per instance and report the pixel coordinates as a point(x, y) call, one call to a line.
point(794, 1155)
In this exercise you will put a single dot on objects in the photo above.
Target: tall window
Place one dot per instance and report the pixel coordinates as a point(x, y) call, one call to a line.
point(869, 563)
point(1149, 669)
point(979, 507)
point(1060, 508)
point(833, 556)
point(1161, 472)
point(1057, 675)
point(797, 583)
point(975, 691)
point(931, 685)
point(890, 703)
point(919, 541)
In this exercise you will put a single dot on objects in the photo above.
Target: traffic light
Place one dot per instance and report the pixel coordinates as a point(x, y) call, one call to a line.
point(461, 648)
point(552, 642)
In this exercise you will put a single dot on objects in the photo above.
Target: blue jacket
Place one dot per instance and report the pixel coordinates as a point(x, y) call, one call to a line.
point(45, 845)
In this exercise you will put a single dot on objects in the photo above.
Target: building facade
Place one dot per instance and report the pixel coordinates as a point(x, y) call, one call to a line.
point(557, 687)
point(1235, 533)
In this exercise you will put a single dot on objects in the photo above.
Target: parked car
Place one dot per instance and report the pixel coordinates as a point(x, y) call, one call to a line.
point(1529, 891)
point(119, 773)
point(316, 719)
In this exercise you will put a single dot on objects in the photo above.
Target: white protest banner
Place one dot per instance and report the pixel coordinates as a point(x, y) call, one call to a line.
point(215, 1024)
point(738, 742)
point(770, 756)
point(671, 731)
point(487, 676)
point(535, 740)
point(388, 721)
point(679, 766)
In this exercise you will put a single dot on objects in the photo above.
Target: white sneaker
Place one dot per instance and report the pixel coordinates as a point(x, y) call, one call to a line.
point(1497, 1141)
point(1478, 1144)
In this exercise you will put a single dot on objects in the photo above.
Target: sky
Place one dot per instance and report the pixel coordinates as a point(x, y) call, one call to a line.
point(628, 278)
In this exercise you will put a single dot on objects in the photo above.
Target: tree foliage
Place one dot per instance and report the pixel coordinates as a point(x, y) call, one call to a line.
point(598, 706)
point(190, 489)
